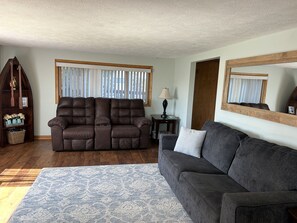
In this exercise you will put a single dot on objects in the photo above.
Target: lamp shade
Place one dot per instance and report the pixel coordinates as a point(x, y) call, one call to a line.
point(165, 94)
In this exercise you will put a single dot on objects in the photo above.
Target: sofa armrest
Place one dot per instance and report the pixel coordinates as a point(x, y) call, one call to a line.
point(254, 207)
point(141, 121)
point(167, 142)
point(102, 121)
point(58, 121)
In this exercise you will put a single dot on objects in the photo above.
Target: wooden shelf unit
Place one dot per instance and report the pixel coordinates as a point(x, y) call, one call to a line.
point(5, 101)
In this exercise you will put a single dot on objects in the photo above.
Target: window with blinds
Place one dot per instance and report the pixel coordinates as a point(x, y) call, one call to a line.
point(247, 88)
point(78, 79)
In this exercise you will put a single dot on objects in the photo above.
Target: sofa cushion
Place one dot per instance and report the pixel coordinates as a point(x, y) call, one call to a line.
point(125, 131)
point(102, 107)
point(124, 111)
point(220, 144)
point(206, 192)
point(77, 111)
point(79, 132)
point(262, 166)
point(176, 163)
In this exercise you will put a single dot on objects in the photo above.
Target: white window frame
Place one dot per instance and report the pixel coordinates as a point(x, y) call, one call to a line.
point(104, 66)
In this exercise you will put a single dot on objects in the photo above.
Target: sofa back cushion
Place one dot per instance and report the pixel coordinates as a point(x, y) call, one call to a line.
point(220, 144)
point(77, 111)
point(124, 111)
point(102, 107)
point(262, 166)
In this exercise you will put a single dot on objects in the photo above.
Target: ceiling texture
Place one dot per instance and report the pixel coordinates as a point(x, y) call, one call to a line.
point(153, 28)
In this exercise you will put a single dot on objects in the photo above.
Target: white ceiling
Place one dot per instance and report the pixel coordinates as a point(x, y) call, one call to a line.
point(155, 28)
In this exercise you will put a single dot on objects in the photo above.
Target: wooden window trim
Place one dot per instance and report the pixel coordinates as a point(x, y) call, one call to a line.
point(58, 75)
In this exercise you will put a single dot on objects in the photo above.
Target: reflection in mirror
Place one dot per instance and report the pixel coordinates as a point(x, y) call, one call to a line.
point(275, 91)
point(266, 86)
point(248, 89)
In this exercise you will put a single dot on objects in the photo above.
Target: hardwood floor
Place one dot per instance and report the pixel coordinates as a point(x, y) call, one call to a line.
point(21, 164)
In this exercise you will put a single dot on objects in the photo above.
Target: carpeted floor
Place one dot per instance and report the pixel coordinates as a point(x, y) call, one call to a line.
point(118, 193)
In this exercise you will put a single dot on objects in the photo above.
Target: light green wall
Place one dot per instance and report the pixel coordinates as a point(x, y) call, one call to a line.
point(39, 66)
point(184, 84)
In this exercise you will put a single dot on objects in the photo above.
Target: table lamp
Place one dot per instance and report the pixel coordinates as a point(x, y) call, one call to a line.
point(164, 95)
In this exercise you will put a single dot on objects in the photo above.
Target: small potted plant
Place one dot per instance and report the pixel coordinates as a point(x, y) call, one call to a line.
point(20, 118)
point(7, 118)
point(14, 119)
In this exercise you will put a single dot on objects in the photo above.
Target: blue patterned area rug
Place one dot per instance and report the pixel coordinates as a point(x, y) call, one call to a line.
point(119, 193)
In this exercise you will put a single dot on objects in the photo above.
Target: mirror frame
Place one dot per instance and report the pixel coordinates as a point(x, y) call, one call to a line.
point(283, 57)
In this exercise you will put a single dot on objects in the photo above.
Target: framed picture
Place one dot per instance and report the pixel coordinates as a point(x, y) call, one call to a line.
point(25, 101)
point(291, 110)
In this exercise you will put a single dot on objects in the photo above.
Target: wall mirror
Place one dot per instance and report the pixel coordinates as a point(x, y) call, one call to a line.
point(263, 87)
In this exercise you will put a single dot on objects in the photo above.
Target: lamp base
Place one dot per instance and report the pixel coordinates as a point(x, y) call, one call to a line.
point(165, 103)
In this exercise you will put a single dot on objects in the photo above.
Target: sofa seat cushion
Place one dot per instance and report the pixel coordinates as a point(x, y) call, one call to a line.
point(125, 131)
point(206, 194)
point(178, 162)
point(79, 132)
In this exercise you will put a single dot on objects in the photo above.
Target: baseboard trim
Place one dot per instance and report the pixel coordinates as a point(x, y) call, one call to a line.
point(44, 137)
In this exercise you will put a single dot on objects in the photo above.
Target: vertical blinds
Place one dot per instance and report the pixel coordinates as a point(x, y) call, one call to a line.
point(79, 82)
point(245, 90)
point(110, 83)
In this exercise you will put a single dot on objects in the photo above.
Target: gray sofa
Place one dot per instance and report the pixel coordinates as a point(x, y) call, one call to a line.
point(238, 179)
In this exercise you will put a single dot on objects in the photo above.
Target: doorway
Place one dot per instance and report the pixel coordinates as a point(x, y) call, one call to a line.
point(205, 91)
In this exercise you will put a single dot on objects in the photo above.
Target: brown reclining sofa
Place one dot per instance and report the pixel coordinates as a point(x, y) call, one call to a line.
point(99, 124)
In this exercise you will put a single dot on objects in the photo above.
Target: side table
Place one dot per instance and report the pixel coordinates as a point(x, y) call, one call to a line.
point(170, 121)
